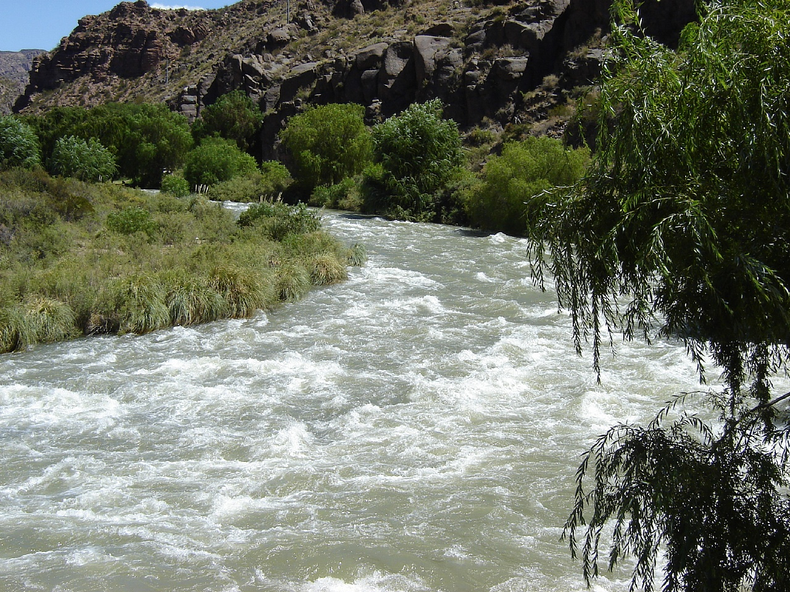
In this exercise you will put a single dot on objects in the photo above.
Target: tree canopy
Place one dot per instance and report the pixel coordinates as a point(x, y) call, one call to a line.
point(327, 143)
point(145, 139)
point(417, 154)
point(234, 117)
point(19, 145)
point(679, 229)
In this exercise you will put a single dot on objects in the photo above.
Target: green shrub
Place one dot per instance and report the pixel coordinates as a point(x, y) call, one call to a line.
point(15, 330)
point(293, 281)
point(175, 185)
point(326, 269)
point(357, 255)
point(243, 290)
point(514, 183)
point(217, 160)
point(81, 159)
point(418, 154)
point(327, 144)
point(343, 195)
point(49, 320)
point(191, 300)
point(277, 220)
point(131, 220)
point(265, 185)
point(234, 117)
point(19, 145)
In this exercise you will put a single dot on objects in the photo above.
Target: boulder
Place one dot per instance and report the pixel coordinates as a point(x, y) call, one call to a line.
point(426, 50)
point(370, 56)
point(301, 76)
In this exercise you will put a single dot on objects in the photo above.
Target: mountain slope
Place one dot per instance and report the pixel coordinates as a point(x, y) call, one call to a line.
point(14, 69)
point(497, 62)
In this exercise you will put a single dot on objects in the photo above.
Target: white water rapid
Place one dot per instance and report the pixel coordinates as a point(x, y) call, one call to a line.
point(416, 428)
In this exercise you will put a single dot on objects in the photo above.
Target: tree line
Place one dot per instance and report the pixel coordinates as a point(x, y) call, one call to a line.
point(412, 166)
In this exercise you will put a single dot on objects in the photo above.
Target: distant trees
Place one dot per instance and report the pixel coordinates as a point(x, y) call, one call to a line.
point(145, 139)
point(86, 160)
point(216, 160)
point(19, 146)
point(416, 153)
point(513, 183)
point(327, 144)
point(679, 229)
point(234, 116)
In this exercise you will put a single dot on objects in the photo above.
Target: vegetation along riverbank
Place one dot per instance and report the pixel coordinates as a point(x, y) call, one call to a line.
point(83, 258)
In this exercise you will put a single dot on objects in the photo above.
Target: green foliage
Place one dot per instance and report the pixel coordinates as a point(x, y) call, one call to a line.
point(268, 184)
point(418, 154)
point(146, 139)
point(175, 185)
point(343, 195)
point(234, 117)
point(514, 182)
point(217, 160)
point(140, 301)
point(131, 220)
point(135, 262)
point(327, 144)
point(326, 269)
point(84, 160)
point(19, 145)
point(277, 220)
point(679, 228)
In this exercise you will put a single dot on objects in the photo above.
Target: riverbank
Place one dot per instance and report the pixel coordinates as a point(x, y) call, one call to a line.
point(85, 259)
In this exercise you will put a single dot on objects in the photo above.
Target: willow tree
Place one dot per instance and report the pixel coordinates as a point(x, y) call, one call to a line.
point(680, 229)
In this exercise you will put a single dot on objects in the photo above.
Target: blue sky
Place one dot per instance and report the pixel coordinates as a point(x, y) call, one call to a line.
point(40, 24)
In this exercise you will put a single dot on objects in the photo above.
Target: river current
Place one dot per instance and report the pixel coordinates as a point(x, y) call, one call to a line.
point(416, 428)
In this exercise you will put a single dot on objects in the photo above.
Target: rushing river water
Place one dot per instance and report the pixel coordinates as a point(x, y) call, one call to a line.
point(416, 428)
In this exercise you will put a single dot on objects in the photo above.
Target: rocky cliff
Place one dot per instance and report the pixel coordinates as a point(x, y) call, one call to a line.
point(14, 75)
point(496, 62)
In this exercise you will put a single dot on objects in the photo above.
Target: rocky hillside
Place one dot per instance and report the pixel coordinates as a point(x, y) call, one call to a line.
point(14, 69)
point(495, 62)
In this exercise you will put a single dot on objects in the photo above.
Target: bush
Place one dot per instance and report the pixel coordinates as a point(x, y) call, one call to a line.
point(140, 300)
point(191, 300)
point(277, 220)
point(234, 117)
point(81, 159)
point(217, 160)
point(418, 154)
point(175, 186)
point(513, 181)
point(131, 220)
point(18, 144)
point(258, 186)
point(343, 195)
point(327, 143)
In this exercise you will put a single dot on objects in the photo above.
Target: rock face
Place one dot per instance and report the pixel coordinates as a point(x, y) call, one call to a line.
point(128, 42)
point(481, 63)
point(14, 75)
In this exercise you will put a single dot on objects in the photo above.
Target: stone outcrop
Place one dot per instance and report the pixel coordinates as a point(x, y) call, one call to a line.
point(14, 75)
point(128, 42)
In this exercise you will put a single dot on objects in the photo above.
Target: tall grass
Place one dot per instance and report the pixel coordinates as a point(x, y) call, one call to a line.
point(135, 263)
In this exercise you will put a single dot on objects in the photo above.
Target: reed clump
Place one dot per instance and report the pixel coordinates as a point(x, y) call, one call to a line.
point(128, 262)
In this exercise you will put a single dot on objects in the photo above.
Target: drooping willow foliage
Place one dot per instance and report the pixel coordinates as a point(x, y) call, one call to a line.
point(680, 228)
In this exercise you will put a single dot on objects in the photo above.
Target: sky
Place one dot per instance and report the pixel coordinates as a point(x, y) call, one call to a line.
point(40, 24)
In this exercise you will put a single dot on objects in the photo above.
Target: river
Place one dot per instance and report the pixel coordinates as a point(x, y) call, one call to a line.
point(416, 428)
